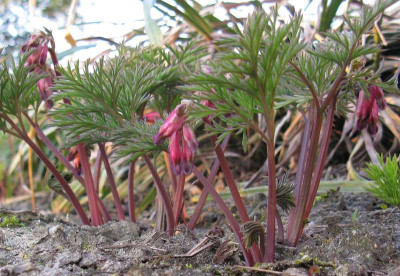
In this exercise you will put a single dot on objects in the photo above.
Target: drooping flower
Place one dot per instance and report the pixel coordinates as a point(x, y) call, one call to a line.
point(188, 137)
point(175, 152)
point(187, 157)
point(368, 108)
point(174, 121)
point(38, 44)
point(45, 85)
point(182, 142)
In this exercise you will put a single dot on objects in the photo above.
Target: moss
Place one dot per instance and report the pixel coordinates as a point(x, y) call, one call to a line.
point(10, 221)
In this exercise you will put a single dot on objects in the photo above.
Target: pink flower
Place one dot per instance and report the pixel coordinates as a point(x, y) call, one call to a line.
point(182, 142)
point(175, 152)
point(368, 108)
point(43, 55)
point(34, 58)
point(151, 117)
point(187, 157)
point(188, 137)
point(174, 121)
point(44, 86)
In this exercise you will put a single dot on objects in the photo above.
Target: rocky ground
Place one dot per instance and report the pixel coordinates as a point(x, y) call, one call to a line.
point(347, 234)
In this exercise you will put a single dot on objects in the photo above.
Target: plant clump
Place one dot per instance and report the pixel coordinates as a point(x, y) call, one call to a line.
point(386, 179)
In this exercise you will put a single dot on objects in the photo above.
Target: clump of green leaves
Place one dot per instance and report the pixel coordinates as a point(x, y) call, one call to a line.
point(10, 221)
point(386, 177)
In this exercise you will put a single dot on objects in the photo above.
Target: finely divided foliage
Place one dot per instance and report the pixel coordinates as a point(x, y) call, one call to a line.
point(108, 99)
point(261, 68)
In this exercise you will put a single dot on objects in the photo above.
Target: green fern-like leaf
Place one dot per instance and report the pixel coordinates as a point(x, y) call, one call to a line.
point(386, 179)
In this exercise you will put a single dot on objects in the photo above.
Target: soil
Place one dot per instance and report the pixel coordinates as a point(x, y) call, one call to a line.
point(347, 234)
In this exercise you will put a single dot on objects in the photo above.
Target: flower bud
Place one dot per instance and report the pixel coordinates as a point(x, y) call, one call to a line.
point(174, 121)
point(377, 93)
point(151, 117)
point(187, 157)
point(188, 137)
point(175, 152)
point(43, 55)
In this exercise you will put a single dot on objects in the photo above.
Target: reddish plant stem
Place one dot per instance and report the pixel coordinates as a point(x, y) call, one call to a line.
point(235, 193)
point(131, 192)
point(114, 191)
point(70, 194)
point(97, 171)
point(281, 231)
point(204, 193)
point(228, 214)
point(178, 198)
point(67, 164)
point(322, 156)
point(91, 192)
point(170, 174)
point(300, 169)
point(269, 255)
point(164, 196)
point(297, 216)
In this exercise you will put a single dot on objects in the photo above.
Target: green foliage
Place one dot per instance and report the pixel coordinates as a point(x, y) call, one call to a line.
point(386, 177)
point(108, 99)
point(244, 78)
point(18, 92)
point(10, 221)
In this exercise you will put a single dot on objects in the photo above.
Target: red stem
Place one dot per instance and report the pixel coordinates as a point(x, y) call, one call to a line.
point(114, 191)
point(70, 194)
point(228, 214)
point(269, 255)
point(131, 194)
point(297, 215)
point(204, 193)
point(322, 156)
point(67, 164)
point(164, 196)
point(178, 198)
point(281, 231)
point(91, 192)
point(235, 193)
point(97, 171)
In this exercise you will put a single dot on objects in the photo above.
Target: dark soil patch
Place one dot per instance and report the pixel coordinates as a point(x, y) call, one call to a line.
point(338, 240)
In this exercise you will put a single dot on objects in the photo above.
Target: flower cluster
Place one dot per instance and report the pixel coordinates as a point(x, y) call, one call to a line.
point(38, 44)
point(182, 144)
point(367, 109)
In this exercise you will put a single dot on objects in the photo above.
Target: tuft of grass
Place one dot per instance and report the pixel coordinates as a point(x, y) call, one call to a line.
point(386, 177)
point(10, 221)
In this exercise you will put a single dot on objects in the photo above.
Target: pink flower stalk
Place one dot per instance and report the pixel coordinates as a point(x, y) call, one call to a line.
point(174, 121)
point(368, 108)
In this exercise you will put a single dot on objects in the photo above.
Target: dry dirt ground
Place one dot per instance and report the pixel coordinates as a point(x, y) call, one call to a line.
point(347, 234)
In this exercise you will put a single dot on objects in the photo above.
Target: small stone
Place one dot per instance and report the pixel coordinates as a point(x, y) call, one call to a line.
point(55, 230)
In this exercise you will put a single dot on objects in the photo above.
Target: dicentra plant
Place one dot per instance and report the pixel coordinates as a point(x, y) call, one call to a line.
point(266, 67)
point(144, 98)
